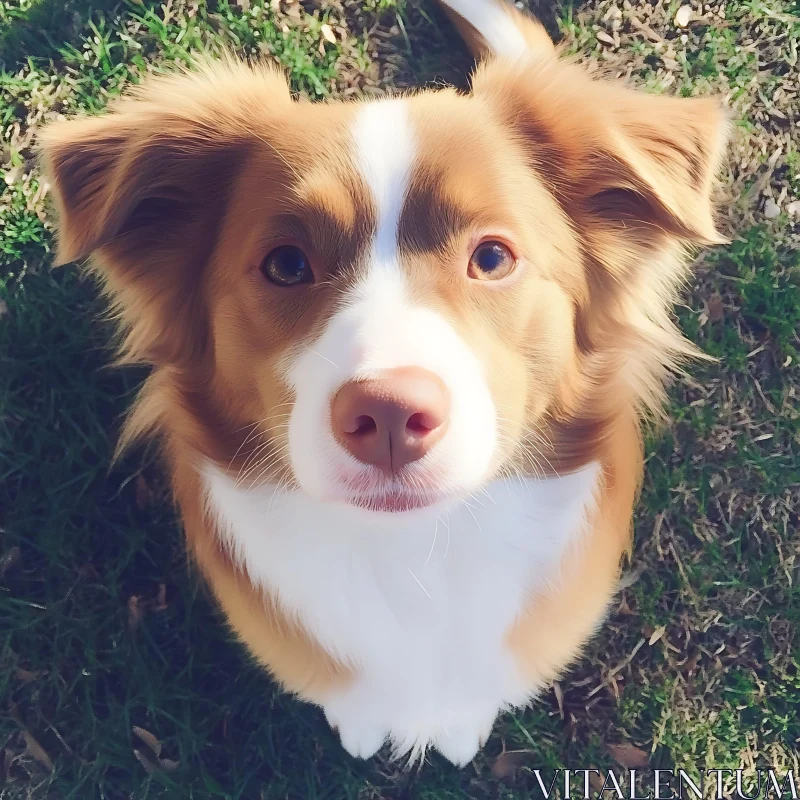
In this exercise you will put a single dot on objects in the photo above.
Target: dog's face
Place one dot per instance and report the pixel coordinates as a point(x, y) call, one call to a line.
point(392, 303)
point(402, 315)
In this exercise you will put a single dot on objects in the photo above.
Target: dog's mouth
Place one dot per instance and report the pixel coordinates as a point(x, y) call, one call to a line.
point(395, 495)
point(393, 502)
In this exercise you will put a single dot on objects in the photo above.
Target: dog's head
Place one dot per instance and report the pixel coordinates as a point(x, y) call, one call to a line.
point(390, 303)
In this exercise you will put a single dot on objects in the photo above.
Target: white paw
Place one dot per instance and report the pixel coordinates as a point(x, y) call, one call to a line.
point(362, 741)
point(366, 715)
point(460, 743)
point(361, 736)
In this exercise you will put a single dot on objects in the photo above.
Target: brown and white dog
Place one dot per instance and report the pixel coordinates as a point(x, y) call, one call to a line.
point(401, 350)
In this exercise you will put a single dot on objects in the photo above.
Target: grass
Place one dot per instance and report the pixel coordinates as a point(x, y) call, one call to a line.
point(117, 675)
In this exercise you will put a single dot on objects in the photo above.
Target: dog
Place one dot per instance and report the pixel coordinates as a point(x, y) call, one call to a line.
point(401, 352)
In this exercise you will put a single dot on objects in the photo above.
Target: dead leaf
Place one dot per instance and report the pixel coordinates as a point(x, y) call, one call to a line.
point(771, 209)
point(656, 634)
point(683, 16)
point(139, 606)
point(149, 766)
point(715, 307)
point(603, 37)
point(629, 756)
point(155, 764)
point(507, 763)
point(36, 750)
point(646, 30)
point(26, 676)
point(4, 306)
point(328, 33)
point(148, 739)
point(559, 693)
point(12, 175)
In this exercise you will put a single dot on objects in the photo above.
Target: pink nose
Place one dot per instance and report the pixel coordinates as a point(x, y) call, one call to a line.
point(391, 420)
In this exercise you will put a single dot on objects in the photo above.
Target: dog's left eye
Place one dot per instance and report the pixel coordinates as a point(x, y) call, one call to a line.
point(287, 266)
point(491, 261)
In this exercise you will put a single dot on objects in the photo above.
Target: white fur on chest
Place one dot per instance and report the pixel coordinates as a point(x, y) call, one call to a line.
point(419, 604)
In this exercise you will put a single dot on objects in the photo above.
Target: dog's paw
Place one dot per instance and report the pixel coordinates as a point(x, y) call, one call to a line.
point(460, 743)
point(365, 719)
point(362, 741)
point(359, 734)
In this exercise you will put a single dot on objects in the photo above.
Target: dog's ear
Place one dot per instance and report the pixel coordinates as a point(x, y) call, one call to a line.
point(634, 174)
point(620, 161)
point(143, 190)
point(633, 171)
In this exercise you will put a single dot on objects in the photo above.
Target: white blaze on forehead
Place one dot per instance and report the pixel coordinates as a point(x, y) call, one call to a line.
point(384, 154)
point(379, 327)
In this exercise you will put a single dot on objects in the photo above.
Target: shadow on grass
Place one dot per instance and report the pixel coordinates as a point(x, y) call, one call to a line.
point(42, 30)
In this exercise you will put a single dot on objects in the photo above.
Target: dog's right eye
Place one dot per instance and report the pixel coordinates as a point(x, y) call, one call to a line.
point(287, 266)
point(491, 261)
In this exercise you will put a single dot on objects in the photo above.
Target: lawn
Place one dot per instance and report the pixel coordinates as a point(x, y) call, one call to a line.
point(118, 678)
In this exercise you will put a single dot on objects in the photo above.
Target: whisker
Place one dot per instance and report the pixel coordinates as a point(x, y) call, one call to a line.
point(472, 513)
point(325, 358)
point(263, 464)
point(252, 458)
point(267, 464)
point(418, 582)
point(246, 440)
point(433, 543)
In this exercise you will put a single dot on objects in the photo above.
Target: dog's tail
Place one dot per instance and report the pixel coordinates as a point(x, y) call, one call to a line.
point(495, 28)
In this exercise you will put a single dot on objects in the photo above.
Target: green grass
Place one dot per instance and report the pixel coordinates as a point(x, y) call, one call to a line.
point(103, 626)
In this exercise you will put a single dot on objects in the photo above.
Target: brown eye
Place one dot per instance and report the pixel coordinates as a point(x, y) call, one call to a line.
point(287, 266)
point(491, 261)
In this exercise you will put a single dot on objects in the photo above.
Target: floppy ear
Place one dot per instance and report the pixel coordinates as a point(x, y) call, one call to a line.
point(634, 174)
point(632, 170)
point(143, 190)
